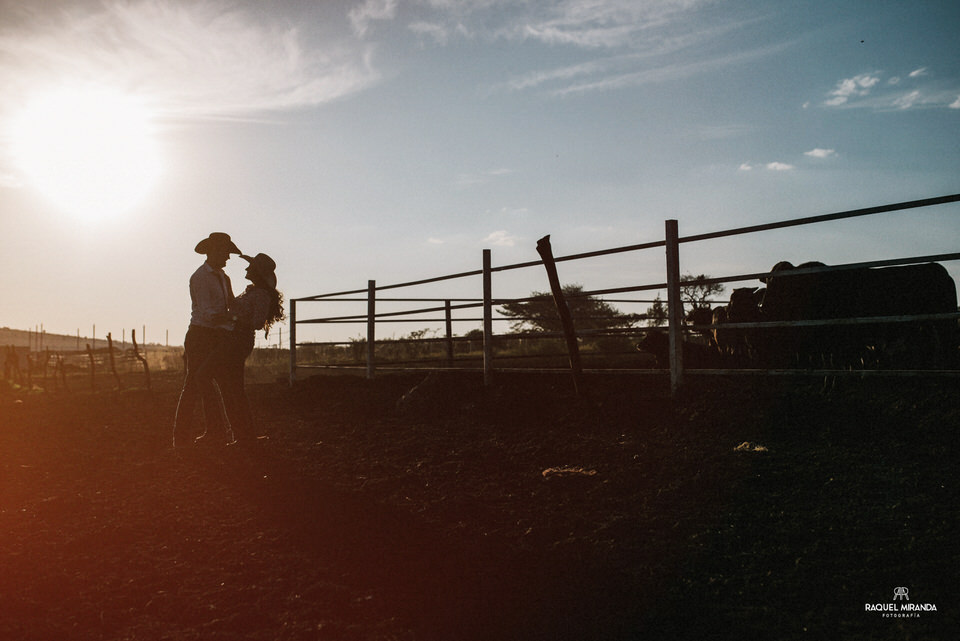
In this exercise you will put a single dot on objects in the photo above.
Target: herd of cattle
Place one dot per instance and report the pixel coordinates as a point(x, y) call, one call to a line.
point(731, 336)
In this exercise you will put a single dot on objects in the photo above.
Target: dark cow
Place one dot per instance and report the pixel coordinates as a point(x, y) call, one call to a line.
point(703, 316)
point(695, 355)
point(733, 343)
point(858, 292)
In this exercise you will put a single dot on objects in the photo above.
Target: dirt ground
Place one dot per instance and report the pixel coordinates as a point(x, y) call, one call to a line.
point(744, 508)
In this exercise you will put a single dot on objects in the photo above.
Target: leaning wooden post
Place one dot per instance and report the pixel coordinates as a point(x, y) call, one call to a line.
point(448, 326)
point(566, 322)
point(139, 357)
point(487, 319)
point(674, 305)
point(371, 325)
point(293, 342)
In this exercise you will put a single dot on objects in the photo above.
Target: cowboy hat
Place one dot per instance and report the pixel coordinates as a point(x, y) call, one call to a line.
point(216, 240)
point(264, 267)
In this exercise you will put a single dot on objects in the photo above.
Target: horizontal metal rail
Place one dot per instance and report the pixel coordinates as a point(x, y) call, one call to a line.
point(808, 220)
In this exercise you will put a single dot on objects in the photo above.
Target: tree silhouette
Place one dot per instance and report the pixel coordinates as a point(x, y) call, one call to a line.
point(696, 293)
point(539, 313)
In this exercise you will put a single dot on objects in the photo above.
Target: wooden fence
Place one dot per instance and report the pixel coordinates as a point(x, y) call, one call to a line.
point(88, 368)
point(673, 244)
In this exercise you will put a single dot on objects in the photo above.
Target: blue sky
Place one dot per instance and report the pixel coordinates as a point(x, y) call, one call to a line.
point(395, 140)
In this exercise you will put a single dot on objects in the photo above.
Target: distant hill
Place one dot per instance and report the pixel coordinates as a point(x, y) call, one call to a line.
point(59, 342)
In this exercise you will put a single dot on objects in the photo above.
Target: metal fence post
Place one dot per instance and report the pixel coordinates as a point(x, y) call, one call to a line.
point(371, 325)
point(674, 305)
point(448, 325)
point(293, 341)
point(487, 320)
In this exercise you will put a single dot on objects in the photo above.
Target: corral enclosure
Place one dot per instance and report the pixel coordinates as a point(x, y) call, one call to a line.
point(454, 320)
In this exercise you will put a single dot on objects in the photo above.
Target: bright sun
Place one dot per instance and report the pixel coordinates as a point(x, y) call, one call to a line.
point(91, 151)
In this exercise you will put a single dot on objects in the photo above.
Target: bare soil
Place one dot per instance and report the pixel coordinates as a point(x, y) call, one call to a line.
point(744, 508)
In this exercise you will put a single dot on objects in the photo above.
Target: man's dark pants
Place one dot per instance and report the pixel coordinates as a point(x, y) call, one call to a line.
point(200, 345)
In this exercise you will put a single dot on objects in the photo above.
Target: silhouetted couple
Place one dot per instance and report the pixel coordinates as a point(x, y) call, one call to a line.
point(219, 340)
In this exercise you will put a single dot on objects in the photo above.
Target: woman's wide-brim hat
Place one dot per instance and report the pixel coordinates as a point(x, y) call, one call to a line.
point(216, 240)
point(265, 267)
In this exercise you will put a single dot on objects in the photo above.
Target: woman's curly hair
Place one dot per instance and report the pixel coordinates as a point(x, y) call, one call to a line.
point(276, 311)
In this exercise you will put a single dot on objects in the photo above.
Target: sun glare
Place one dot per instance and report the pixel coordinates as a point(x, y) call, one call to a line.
point(90, 151)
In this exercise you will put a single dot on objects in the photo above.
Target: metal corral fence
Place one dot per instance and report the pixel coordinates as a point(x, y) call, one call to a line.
point(477, 349)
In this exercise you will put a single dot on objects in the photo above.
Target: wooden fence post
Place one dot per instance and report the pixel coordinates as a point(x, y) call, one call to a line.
point(113, 362)
point(371, 326)
point(142, 359)
point(674, 305)
point(93, 369)
point(293, 342)
point(487, 319)
point(566, 322)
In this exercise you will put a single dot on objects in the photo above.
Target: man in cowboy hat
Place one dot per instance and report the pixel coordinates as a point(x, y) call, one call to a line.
point(210, 297)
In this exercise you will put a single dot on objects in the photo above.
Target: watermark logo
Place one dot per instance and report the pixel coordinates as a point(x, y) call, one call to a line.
point(901, 607)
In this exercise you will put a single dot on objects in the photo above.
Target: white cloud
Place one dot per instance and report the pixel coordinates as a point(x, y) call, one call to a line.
point(852, 87)
point(370, 10)
point(820, 153)
point(501, 239)
point(745, 167)
point(204, 59)
point(436, 241)
point(866, 91)
point(779, 166)
point(955, 104)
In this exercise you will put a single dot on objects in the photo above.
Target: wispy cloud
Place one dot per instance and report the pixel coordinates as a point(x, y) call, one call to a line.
point(629, 42)
point(370, 10)
point(820, 153)
point(203, 59)
point(867, 90)
point(907, 100)
point(609, 24)
point(955, 104)
point(501, 238)
point(746, 167)
point(668, 72)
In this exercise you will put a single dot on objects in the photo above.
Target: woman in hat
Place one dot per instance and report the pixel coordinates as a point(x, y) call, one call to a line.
point(257, 308)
